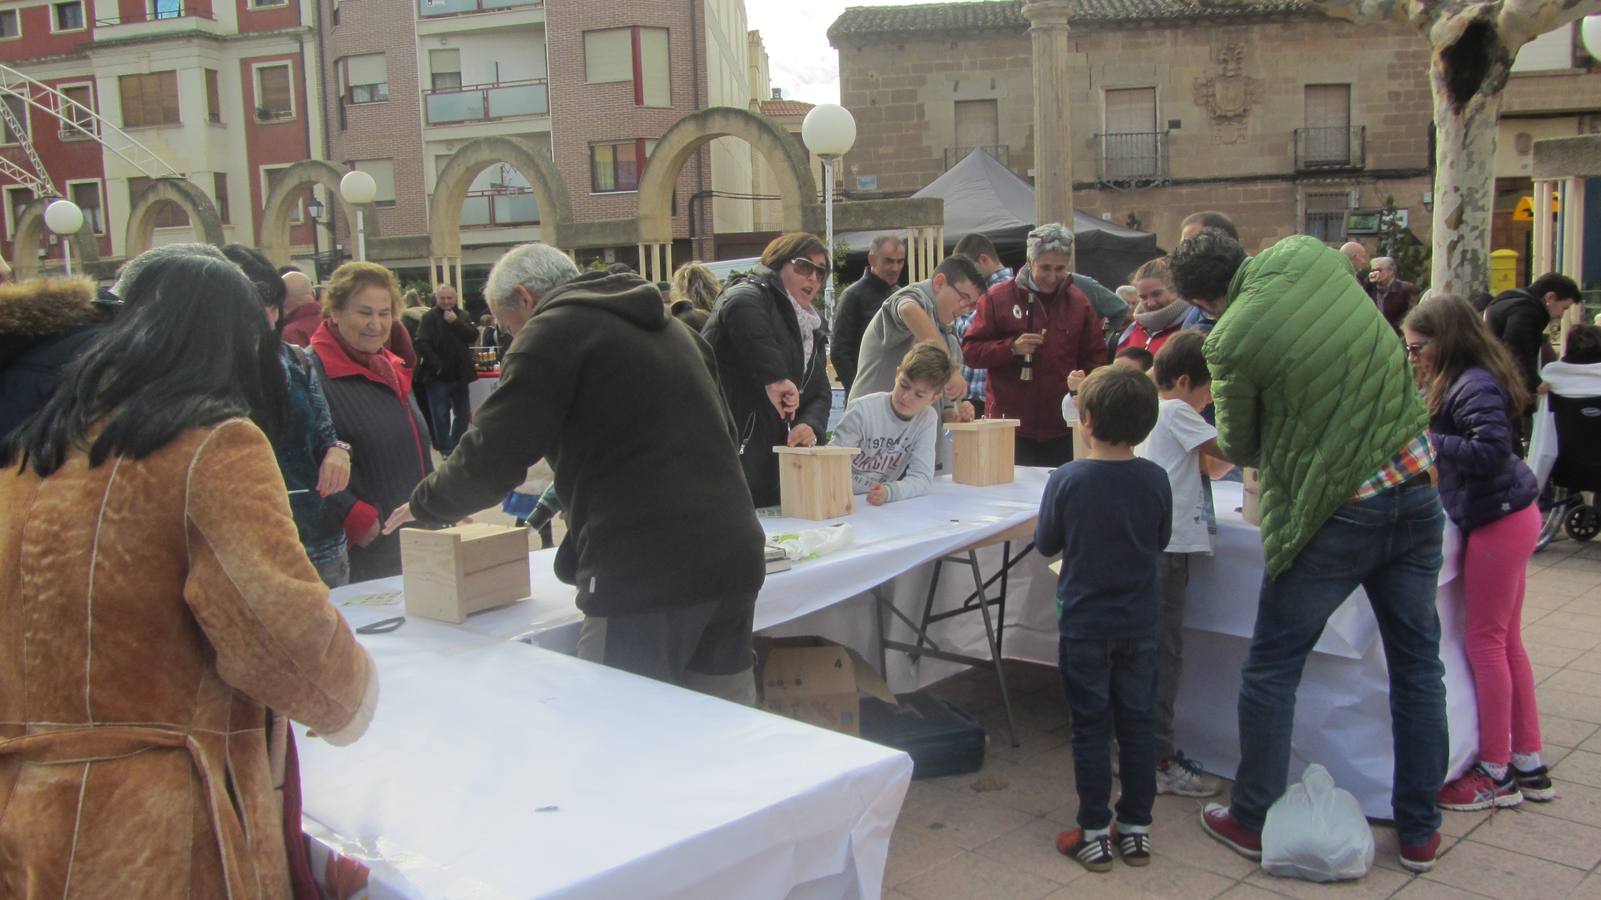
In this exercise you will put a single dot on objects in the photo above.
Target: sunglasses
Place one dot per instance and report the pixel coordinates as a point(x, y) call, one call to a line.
point(807, 267)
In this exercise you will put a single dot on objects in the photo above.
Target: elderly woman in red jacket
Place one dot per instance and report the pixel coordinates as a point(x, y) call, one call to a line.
point(1030, 332)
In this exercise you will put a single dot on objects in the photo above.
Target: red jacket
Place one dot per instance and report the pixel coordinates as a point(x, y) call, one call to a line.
point(1137, 336)
point(1073, 340)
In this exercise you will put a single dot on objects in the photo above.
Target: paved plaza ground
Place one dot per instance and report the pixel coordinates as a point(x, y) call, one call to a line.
point(957, 841)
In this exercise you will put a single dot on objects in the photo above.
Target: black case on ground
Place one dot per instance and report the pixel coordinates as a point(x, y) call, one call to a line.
point(941, 739)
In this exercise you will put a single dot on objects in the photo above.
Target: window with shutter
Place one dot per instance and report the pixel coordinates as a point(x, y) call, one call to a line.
point(213, 98)
point(18, 108)
point(274, 93)
point(444, 67)
point(977, 125)
point(609, 55)
point(86, 194)
point(366, 78)
point(77, 123)
point(219, 192)
point(150, 99)
point(1130, 144)
point(1327, 139)
point(16, 199)
point(654, 79)
point(383, 174)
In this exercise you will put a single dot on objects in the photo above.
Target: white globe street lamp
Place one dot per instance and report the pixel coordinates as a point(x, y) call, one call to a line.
point(1590, 33)
point(358, 188)
point(829, 130)
point(64, 218)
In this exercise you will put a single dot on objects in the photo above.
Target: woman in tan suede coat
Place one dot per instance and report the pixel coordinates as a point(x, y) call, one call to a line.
point(154, 601)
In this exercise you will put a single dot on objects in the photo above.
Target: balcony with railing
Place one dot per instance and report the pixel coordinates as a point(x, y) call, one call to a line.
point(998, 152)
point(499, 208)
point(433, 9)
point(486, 102)
point(159, 11)
point(1323, 149)
point(1135, 157)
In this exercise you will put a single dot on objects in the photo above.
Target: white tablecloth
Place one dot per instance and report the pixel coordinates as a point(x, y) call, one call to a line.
point(497, 770)
point(1342, 716)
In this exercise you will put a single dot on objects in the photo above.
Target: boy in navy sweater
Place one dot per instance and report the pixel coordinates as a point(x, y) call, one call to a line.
point(1110, 516)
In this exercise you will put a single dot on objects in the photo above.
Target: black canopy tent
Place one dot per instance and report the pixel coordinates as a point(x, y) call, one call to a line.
point(983, 196)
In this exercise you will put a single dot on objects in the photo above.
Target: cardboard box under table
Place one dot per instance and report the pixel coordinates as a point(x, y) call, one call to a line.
point(452, 573)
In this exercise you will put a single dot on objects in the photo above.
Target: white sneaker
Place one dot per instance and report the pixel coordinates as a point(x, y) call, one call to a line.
point(1184, 777)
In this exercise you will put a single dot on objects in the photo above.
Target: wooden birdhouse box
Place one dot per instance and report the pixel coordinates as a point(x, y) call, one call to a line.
point(1251, 508)
point(815, 482)
point(452, 573)
point(983, 452)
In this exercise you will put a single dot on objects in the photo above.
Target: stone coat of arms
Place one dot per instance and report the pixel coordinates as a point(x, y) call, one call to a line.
point(1229, 94)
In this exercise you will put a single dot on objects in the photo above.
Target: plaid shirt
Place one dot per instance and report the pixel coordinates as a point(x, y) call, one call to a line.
point(976, 378)
point(1414, 459)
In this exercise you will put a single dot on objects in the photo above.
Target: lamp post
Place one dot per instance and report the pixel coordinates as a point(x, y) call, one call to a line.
point(358, 188)
point(65, 219)
point(829, 130)
point(314, 208)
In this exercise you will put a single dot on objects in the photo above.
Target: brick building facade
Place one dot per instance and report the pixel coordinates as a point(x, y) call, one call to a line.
point(1288, 120)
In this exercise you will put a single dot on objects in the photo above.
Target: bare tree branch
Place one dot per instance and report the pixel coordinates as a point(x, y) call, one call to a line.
point(1522, 21)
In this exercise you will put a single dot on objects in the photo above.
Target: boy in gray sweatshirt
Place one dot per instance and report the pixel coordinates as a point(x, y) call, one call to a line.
point(897, 431)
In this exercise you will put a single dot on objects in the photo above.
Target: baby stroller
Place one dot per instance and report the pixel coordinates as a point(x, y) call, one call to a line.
point(1569, 497)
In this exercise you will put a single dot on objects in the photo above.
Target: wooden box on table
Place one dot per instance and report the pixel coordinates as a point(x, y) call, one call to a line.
point(1251, 507)
point(452, 573)
point(983, 452)
point(815, 482)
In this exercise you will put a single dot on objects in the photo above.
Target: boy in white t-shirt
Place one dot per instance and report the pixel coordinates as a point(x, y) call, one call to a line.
point(897, 430)
point(1186, 446)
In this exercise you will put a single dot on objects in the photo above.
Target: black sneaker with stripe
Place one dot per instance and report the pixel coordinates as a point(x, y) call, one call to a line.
point(1535, 784)
point(1094, 854)
point(1134, 847)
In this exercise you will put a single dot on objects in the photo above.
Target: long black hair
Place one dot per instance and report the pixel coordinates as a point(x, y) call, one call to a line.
point(272, 415)
point(182, 354)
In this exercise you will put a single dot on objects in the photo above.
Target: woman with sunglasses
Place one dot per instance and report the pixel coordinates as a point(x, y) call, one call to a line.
point(771, 351)
point(1475, 394)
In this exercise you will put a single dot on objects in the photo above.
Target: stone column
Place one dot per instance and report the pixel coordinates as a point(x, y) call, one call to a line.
point(1053, 147)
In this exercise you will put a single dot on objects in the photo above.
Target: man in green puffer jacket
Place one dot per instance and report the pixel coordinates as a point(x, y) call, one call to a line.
point(1313, 389)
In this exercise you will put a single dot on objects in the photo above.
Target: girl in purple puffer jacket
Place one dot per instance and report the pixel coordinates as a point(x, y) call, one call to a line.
point(1475, 395)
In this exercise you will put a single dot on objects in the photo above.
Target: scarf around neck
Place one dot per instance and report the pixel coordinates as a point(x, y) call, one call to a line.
point(377, 363)
point(1159, 320)
point(809, 319)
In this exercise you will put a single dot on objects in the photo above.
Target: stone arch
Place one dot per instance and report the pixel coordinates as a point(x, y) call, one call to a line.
point(471, 158)
point(30, 233)
point(788, 158)
point(280, 202)
point(202, 212)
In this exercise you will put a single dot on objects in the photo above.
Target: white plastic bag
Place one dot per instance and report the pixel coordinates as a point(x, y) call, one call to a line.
point(1543, 442)
point(1317, 832)
point(814, 542)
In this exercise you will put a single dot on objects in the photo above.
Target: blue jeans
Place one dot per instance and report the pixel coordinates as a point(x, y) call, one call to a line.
point(450, 408)
point(1391, 546)
point(1111, 686)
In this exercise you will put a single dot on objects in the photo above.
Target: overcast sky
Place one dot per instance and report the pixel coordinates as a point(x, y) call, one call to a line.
point(796, 36)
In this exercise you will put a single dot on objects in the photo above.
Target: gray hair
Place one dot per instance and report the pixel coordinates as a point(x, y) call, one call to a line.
point(882, 240)
point(540, 268)
point(133, 268)
point(1051, 238)
point(1387, 262)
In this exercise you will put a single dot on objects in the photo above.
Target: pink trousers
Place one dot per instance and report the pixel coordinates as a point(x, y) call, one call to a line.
point(1495, 563)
